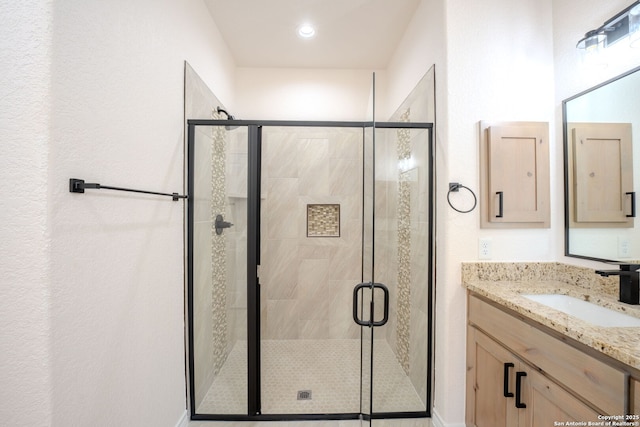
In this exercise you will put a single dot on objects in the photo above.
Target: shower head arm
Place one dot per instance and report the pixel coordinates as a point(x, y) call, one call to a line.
point(222, 110)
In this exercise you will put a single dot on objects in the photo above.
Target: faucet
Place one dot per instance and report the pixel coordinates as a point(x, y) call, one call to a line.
point(629, 282)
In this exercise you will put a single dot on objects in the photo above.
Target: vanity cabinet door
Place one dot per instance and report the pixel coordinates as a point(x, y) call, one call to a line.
point(502, 390)
point(635, 397)
point(548, 403)
point(490, 375)
point(515, 175)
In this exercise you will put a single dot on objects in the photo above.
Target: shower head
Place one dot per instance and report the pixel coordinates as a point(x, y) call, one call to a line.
point(221, 110)
point(229, 117)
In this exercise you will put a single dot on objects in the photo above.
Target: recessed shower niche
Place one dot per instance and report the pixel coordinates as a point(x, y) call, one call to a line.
point(323, 220)
point(322, 287)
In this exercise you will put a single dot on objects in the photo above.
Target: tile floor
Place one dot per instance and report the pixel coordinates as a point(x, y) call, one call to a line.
point(329, 368)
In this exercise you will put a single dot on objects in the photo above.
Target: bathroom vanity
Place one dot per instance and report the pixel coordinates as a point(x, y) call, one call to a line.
point(532, 365)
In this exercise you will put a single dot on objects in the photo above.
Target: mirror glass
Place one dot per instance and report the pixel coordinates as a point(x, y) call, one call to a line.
point(602, 174)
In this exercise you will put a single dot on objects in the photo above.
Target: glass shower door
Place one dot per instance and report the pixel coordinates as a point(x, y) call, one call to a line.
point(395, 309)
point(310, 259)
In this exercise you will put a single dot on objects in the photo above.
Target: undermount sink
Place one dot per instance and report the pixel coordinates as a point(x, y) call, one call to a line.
point(584, 310)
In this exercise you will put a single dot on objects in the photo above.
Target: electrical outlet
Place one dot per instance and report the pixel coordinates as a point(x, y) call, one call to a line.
point(484, 248)
point(624, 247)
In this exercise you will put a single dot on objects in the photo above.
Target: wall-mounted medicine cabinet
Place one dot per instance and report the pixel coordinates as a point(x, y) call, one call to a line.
point(514, 174)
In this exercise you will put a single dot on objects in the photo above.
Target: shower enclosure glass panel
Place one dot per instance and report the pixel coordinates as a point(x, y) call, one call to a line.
point(310, 211)
point(218, 304)
point(402, 261)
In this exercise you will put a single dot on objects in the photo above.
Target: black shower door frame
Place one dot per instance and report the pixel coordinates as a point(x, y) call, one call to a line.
point(253, 261)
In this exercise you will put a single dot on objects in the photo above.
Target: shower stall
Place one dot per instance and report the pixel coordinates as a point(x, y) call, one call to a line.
point(310, 269)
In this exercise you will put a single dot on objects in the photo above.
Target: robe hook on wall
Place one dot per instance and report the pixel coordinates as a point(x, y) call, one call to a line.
point(78, 186)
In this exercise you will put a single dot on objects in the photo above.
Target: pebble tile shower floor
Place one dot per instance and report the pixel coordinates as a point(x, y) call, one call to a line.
point(330, 369)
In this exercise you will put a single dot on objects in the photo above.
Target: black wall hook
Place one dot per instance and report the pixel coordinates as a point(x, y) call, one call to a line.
point(78, 186)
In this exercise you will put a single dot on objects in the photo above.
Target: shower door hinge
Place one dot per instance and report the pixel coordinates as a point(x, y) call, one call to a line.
point(258, 271)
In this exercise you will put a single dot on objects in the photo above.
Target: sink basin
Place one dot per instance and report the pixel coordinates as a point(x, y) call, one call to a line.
point(584, 310)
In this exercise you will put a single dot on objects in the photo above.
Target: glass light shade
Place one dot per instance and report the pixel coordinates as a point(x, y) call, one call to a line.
point(592, 48)
point(592, 42)
point(634, 27)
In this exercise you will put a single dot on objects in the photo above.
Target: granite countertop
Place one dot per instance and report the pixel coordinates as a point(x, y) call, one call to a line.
point(504, 283)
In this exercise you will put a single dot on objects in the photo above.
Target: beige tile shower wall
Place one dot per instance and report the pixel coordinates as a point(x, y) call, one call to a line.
point(307, 282)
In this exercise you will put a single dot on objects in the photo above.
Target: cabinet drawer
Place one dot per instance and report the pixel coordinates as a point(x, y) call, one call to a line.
point(595, 381)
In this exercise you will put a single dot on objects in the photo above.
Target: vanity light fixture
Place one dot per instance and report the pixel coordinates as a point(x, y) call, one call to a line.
point(634, 26)
point(591, 46)
point(593, 41)
point(623, 24)
point(306, 31)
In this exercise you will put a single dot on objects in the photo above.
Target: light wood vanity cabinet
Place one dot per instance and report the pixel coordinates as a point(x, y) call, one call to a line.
point(508, 392)
point(518, 375)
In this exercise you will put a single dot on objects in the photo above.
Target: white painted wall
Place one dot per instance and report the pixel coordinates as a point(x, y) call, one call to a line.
point(305, 94)
point(422, 46)
point(92, 298)
point(25, 363)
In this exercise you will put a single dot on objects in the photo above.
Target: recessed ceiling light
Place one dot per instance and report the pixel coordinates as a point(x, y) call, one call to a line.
point(306, 31)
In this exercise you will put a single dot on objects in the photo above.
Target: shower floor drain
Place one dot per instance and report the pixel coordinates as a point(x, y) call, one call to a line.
point(304, 395)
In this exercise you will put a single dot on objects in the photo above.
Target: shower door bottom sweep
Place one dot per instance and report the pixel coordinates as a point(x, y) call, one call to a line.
point(309, 270)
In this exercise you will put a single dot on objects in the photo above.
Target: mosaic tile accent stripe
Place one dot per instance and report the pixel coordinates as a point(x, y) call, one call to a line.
point(323, 220)
point(404, 249)
point(218, 248)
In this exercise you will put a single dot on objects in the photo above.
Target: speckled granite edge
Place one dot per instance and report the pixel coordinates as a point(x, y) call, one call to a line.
point(527, 271)
point(504, 283)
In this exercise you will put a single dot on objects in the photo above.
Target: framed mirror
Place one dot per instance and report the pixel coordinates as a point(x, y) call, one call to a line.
point(602, 171)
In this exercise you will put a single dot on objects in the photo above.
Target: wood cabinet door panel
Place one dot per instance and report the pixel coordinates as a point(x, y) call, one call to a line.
point(602, 172)
point(548, 403)
point(487, 406)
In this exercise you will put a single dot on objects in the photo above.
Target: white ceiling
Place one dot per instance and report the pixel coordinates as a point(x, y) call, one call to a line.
point(351, 34)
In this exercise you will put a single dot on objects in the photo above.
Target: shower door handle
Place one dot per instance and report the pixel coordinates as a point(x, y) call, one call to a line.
point(371, 322)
